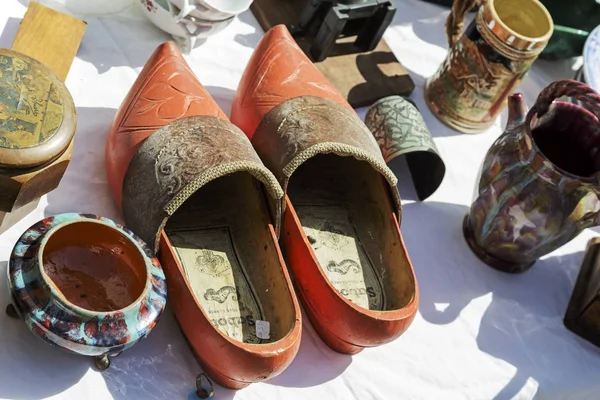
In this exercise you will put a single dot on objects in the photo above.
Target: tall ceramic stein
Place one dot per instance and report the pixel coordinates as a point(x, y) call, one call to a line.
point(486, 62)
point(540, 180)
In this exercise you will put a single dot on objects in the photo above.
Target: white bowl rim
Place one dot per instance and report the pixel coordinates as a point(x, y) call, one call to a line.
point(592, 75)
point(217, 5)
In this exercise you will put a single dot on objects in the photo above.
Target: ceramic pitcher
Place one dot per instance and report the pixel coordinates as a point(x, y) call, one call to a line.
point(540, 180)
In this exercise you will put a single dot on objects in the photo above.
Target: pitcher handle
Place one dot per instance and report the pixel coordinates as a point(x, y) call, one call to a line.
point(566, 87)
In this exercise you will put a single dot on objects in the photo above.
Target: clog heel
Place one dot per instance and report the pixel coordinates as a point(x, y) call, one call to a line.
point(341, 230)
point(190, 183)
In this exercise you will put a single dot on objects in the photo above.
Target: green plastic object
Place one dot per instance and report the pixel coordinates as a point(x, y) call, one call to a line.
point(565, 43)
point(573, 22)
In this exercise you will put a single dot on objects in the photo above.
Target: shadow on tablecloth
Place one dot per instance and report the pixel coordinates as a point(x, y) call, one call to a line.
point(427, 20)
point(523, 323)
point(314, 364)
point(9, 32)
point(84, 186)
point(249, 39)
point(29, 368)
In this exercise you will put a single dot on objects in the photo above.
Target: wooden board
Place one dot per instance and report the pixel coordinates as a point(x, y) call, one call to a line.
point(362, 78)
point(50, 37)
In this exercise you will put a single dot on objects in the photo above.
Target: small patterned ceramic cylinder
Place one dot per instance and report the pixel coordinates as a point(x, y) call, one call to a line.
point(489, 60)
point(399, 129)
point(86, 284)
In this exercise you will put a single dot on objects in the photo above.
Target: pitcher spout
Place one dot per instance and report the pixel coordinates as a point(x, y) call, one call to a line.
point(517, 110)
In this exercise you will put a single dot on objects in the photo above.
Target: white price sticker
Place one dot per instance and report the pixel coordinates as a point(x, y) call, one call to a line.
point(263, 329)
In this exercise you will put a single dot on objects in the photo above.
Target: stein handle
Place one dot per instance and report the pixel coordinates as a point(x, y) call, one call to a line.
point(566, 87)
point(456, 18)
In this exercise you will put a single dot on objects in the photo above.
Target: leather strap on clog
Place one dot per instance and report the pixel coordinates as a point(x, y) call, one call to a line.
point(180, 158)
point(303, 127)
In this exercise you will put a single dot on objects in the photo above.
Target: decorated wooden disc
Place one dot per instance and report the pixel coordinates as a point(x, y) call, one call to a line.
point(37, 113)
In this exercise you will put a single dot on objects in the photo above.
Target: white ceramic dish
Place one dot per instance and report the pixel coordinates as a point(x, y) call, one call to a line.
point(591, 59)
point(212, 10)
point(589, 73)
point(184, 29)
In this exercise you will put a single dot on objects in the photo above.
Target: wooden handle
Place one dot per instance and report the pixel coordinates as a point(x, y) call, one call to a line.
point(50, 37)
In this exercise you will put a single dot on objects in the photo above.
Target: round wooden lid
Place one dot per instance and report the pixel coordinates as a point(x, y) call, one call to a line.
point(37, 113)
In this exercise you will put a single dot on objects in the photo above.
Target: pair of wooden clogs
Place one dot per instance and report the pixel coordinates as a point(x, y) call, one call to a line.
point(214, 198)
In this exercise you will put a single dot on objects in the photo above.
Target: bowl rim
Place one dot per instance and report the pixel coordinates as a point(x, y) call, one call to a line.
point(60, 297)
point(211, 4)
point(533, 40)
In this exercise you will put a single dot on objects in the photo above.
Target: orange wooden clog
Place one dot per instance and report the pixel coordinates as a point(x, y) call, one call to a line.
point(277, 71)
point(191, 185)
point(165, 90)
point(341, 221)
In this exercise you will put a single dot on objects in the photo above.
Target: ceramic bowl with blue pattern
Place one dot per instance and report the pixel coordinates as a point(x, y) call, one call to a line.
point(86, 284)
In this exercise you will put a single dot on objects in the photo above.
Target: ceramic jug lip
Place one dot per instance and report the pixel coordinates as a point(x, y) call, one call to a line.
point(529, 122)
point(492, 18)
point(218, 5)
point(60, 297)
point(208, 21)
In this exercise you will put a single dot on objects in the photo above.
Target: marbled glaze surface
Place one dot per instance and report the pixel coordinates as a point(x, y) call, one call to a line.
point(526, 206)
point(61, 324)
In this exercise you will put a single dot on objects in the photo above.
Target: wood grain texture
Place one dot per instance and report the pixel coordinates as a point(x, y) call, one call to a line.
point(583, 313)
point(50, 37)
point(22, 186)
point(362, 78)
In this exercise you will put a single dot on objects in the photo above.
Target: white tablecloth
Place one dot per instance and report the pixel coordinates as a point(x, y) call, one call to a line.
point(479, 333)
